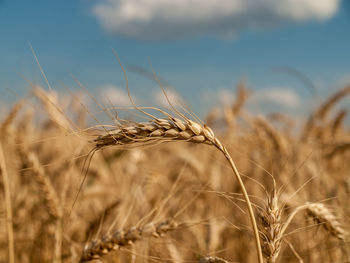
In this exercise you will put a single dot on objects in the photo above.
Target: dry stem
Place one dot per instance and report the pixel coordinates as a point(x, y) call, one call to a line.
point(6, 183)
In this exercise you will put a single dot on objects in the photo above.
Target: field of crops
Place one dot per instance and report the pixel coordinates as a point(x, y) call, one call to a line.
point(163, 186)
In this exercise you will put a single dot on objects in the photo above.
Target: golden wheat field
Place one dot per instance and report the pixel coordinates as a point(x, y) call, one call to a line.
point(166, 187)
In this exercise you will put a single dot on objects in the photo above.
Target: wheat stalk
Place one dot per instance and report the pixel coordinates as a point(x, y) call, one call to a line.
point(122, 238)
point(173, 129)
point(170, 129)
point(9, 223)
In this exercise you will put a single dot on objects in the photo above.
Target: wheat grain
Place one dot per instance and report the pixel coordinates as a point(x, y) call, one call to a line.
point(212, 260)
point(122, 238)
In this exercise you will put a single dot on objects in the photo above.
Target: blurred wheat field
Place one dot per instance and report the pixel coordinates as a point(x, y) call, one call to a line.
point(174, 201)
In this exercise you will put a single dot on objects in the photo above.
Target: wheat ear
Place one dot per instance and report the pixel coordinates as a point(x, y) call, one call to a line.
point(323, 110)
point(271, 234)
point(322, 215)
point(4, 126)
point(122, 238)
point(173, 129)
point(331, 101)
point(212, 260)
point(275, 137)
point(338, 121)
point(47, 190)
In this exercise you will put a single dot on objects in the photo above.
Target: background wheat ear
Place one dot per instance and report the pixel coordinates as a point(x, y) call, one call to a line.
point(323, 216)
point(6, 123)
point(123, 238)
point(47, 190)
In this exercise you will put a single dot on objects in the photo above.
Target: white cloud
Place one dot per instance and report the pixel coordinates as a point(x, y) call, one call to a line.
point(344, 80)
point(174, 97)
point(115, 95)
point(3, 110)
point(226, 97)
point(222, 96)
point(166, 19)
point(278, 96)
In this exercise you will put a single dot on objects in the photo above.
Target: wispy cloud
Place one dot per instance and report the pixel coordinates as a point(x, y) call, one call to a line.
point(276, 97)
point(166, 19)
point(223, 97)
point(115, 95)
point(174, 97)
point(3, 110)
point(344, 80)
point(282, 97)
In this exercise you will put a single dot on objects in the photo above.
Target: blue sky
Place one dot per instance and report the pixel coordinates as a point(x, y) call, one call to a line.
point(195, 52)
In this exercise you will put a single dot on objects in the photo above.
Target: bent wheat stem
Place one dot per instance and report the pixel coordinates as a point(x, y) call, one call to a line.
point(172, 129)
point(249, 205)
